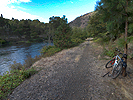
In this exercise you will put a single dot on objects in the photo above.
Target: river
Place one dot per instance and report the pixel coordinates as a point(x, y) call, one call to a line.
point(18, 53)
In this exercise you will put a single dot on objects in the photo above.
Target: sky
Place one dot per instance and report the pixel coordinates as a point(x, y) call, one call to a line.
point(44, 9)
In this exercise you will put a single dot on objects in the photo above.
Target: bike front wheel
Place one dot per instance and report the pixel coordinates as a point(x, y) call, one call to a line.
point(116, 71)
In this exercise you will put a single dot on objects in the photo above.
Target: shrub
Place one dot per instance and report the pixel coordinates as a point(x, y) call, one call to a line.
point(2, 41)
point(49, 51)
point(130, 39)
point(110, 49)
point(16, 66)
point(79, 33)
point(76, 41)
point(27, 63)
point(12, 79)
point(120, 43)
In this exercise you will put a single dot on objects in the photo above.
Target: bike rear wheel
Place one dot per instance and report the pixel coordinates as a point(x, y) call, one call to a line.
point(110, 63)
point(116, 71)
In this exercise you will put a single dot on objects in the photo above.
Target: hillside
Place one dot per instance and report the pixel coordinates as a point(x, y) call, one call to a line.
point(81, 21)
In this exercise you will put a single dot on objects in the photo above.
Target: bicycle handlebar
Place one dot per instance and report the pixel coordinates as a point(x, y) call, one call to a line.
point(123, 55)
point(120, 53)
point(117, 50)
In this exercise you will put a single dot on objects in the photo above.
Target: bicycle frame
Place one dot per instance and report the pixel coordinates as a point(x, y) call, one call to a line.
point(117, 60)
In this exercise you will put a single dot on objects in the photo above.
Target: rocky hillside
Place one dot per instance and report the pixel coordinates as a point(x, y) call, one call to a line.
point(81, 21)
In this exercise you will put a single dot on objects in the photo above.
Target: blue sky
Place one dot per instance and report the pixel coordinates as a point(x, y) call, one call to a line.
point(44, 9)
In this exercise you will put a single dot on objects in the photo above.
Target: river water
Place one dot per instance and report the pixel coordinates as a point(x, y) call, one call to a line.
point(18, 53)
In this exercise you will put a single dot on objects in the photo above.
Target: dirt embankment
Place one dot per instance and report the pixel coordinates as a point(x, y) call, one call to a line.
point(75, 74)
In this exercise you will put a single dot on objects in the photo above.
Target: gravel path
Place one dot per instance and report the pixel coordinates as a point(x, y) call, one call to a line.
point(72, 74)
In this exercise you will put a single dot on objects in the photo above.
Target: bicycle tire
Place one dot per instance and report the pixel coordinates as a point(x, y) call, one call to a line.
point(116, 71)
point(110, 63)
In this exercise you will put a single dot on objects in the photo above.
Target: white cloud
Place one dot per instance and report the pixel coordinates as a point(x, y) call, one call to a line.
point(71, 1)
point(16, 11)
point(17, 1)
point(21, 8)
point(25, 0)
point(12, 7)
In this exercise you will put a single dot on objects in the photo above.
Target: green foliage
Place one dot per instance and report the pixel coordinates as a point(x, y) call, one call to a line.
point(110, 51)
point(62, 37)
point(16, 66)
point(76, 41)
point(27, 63)
point(11, 80)
point(78, 36)
point(120, 43)
point(96, 28)
point(132, 55)
point(16, 76)
point(49, 51)
point(130, 39)
point(115, 13)
point(23, 30)
point(2, 41)
point(79, 33)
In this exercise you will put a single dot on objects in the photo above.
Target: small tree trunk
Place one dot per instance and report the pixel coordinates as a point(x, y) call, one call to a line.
point(126, 45)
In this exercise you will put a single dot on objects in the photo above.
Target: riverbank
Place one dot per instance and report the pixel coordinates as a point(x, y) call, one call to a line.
point(74, 74)
point(19, 53)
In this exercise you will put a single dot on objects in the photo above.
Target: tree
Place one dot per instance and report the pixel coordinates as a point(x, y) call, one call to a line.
point(96, 27)
point(54, 23)
point(116, 13)
point(62, 37)
point(1, 16)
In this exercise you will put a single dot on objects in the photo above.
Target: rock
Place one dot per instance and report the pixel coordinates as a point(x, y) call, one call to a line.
point(89, 39)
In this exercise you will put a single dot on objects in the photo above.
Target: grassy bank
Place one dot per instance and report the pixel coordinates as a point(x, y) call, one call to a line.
point(18, 73)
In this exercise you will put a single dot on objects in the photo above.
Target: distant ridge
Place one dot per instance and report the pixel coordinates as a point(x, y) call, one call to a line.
point(81, 21)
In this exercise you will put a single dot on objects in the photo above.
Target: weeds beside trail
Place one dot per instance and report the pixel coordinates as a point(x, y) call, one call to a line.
point(74, 74)
point(18, 73)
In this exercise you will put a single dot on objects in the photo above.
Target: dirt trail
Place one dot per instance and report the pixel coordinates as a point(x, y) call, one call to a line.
point(74, 74)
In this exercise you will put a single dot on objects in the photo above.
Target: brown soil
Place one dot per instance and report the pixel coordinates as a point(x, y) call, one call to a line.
point(75, 74)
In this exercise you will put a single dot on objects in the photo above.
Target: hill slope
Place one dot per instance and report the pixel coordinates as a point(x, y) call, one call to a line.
point(81, 21)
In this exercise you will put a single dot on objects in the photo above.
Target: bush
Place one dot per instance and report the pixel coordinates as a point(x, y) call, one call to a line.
point(76, 41)
point(110, 50)
point(2, 41)
point(109, 53)
point(120, 43)
point(79, 33)
point(27, 63)
point(49, 51)
point(16, 66)
point(130, 39)
point(11, 80)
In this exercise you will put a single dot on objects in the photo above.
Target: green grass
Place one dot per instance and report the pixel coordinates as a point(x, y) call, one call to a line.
point(12, 79)
point(49, 51)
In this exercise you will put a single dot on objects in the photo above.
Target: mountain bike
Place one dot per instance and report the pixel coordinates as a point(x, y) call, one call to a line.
point(116, 65)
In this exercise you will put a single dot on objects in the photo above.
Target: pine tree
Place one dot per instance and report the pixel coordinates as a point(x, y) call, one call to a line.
point(62, 37)
point(1, 16)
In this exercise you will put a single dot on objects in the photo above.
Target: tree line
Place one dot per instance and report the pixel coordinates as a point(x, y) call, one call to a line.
point(16, 30)
point(57, 29)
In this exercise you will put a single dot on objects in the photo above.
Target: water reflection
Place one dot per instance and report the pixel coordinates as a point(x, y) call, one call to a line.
point(18, 54)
